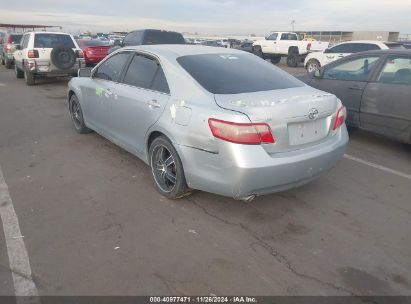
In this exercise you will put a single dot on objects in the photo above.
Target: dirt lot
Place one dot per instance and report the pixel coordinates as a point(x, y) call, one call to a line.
point(93, 224)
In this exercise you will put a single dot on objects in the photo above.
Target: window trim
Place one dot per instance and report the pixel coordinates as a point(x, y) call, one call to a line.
point(149, 56)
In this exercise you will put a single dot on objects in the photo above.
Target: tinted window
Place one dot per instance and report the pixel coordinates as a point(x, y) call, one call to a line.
point(362, 47)
point(134, 38)
point(394, 46)
point(53, 40)
point(15, 39)
point(273, 36)
point(289, 36)
point(357, 69)
point(233, 74)
point(146, 73)
point(342, 48)
point(396, 70)
point(112, 67)
point(163, 37)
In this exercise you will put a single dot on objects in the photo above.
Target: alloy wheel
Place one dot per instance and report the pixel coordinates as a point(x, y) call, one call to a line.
point(164, 168)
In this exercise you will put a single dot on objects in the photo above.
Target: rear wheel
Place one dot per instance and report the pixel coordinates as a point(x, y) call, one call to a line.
point(8, 63)
point(292, 60)
point(29, 78)
point(167, 169)
point(275, 59)
point(313, 65)
point(76, 115)
point(258, 51)
point(19, 73)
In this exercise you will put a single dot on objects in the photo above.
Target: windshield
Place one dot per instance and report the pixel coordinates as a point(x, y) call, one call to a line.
point(162, 37)
point(15, 39)
point(94, 43)
point(53, 40)
point(236, 73)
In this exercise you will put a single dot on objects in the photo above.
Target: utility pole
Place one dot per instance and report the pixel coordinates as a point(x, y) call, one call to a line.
point(292, 24)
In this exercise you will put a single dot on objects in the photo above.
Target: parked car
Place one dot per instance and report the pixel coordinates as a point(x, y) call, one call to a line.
point(316, 60)
point(94, 50)
point(406, 44)
point(286, 44)
point(214, 43)
point(245, 46)
point(375, 87)
point(8, 44)
point(213, 119)
point(149, 36)
point(47, 54)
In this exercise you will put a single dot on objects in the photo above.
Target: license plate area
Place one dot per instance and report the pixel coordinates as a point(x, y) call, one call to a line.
point(305, 132)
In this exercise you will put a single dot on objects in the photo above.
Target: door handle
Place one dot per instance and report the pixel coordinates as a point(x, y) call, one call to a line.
point(153, 103)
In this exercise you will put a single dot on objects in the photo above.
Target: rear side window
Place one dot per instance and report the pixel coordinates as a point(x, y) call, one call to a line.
point(144, 72)
point(53, 40)
point(363, 47)
point(111, 68)
point(396, 70)
point(163, 37)
point(236, 73)
point(289, 36)
point(342, 48)
point(395, 46)
point(356, 69)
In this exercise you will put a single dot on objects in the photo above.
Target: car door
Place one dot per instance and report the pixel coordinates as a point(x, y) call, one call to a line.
point(99, 92)
point(347, 79)
point(140, 99)
point(337, 52)
point(18, 54)
point(286, 41)
point(386, 103)
point(270, 44)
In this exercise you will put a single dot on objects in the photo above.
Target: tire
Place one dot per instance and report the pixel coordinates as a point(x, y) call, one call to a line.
point(76, 115)
point(292, 60)
point(275, 59)
point(29, 78)
point(8, 63)
point(63, 58)
point(19, 73)
point(258, 51)
point(2, 61)
point(167, 169)
point(312, 65)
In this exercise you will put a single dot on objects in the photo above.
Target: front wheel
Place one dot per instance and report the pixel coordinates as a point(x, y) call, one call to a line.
point(76, 115)
point(258, 51)
point(313, 65)
point(167, 169)
point(19, 73)
point(275, 59)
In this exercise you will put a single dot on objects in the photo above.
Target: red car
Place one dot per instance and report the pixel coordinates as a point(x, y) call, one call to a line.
point(94, 50)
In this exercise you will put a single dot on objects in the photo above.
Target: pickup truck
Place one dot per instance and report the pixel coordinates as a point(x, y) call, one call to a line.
point(286, 44)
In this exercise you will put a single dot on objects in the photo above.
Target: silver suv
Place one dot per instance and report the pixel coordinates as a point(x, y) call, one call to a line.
point(47, 54)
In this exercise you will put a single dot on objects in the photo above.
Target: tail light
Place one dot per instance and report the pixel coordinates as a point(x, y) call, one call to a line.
point(8, 47)
point(33, 54)
point(340, 118)
point(309, 46)
point(241, 133)
point(80, 54)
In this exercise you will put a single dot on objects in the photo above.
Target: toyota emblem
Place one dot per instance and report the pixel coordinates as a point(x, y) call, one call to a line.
point(313, 114)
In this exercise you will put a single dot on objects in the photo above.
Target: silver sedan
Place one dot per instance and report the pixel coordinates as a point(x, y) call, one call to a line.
point(212, 119)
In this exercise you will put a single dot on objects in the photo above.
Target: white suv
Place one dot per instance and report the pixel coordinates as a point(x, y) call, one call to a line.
point(47, 54)
point(316, 60)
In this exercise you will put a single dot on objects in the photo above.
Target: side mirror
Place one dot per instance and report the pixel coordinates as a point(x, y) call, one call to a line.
point(84, 72)
point(318, 74)
point(18, 47)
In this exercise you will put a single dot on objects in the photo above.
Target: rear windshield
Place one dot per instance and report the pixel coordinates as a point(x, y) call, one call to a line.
point(94, 43)
point(236, 73)
point(53, 40)
point(394, 46)
point(162, 37)
point(15, 39)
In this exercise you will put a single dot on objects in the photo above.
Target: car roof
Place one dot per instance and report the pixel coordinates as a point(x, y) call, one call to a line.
point(369, 41)
point(41, 32)
point(178, 50)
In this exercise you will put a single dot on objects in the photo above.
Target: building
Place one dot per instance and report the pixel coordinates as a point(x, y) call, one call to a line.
point(340, 36)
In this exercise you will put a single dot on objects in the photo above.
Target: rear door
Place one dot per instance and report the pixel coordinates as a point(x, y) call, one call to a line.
point(338, 52)
point(347, 80)
point(286, 41)
point(140, 99)
point(386, 104)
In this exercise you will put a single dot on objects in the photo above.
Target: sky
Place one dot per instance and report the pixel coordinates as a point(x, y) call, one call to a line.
point(212, 17)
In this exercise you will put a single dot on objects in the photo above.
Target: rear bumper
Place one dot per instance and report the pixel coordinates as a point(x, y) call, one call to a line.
point(239, 171)
point(46, 68)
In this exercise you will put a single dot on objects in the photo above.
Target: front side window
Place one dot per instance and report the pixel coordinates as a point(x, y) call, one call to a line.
point(144, 72)
point(53, 40)
point(273, 36)
point(396, 70)
point(358, 69)
point(236, 73)
point(133, 38)
point(111, 68)
point(15, 39)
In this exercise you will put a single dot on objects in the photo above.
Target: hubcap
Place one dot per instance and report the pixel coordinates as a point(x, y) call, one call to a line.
point(75, 112)
point(312, 67)
point(164, 168)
